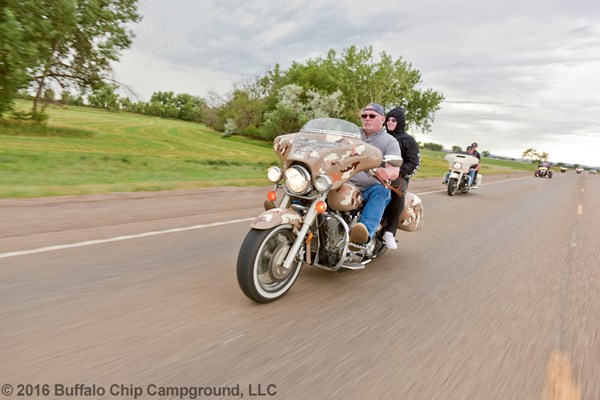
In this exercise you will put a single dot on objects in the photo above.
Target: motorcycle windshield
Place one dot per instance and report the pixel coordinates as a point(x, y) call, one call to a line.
point(332, 126)
point(328, 146)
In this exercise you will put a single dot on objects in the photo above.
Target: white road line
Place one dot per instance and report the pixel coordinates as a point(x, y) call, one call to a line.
point(118, 238)
point(145, 234)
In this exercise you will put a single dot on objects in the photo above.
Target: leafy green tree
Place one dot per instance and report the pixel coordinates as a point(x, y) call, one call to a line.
point(456, 149)
point(189, 108)
point(433, 146)
point(348, 82)
point(18, 50)
point(104, 96)
point(529, 153)
point(485, 153)
point(363, 78)
point(66, 97)
point(77, 40)
point(534, 155)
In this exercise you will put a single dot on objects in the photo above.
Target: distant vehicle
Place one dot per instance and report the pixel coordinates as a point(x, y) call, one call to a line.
point(563, 169)
point(543, 171)
point(579, 170)
point(593, 171)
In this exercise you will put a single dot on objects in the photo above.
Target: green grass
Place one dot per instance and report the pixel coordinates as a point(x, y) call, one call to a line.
point(83, 151)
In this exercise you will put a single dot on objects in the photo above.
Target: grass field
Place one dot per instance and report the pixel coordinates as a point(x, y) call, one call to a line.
point(83, 151)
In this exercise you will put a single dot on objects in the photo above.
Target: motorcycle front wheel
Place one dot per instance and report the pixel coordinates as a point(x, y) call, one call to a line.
point(452, 186)
point(260, 271)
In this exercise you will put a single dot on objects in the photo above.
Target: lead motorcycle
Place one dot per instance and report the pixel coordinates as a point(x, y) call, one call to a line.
point(457, 178)
point(311, 224)
point(543, 171)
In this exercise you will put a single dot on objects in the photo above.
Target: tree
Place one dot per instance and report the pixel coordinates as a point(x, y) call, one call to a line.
point(485, 153)
point(104, 96)
point(77, 40)
point(433, 146)
point(534, 156)
point(363, 78)
point(356, 74)
point(456, 149)
point(18, 50)
point(529, 153)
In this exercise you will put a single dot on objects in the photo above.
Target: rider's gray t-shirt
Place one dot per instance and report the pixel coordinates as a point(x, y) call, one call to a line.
point(387, 144)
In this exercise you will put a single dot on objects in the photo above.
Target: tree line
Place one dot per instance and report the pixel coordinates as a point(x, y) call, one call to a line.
point(68, 45)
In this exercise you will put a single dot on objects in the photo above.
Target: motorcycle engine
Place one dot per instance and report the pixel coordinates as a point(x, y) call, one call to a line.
point(333, 240)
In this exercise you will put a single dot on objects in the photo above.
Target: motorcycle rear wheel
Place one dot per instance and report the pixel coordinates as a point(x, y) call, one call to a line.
point(260, 271)
point(452, 186)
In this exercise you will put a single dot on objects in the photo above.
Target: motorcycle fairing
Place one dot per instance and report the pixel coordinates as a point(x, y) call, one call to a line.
point(338, 156)
point(277, 216)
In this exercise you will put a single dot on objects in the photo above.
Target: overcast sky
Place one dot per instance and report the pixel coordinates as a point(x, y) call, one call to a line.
point(515, 73)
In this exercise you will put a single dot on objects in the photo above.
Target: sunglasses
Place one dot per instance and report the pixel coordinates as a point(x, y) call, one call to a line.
point(392, 120)
point(370, 116)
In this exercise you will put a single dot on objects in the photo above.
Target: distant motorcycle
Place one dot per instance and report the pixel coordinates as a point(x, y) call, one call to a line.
point(579, 170)
point(457, 178)
point(543, 171)
point(563, 169)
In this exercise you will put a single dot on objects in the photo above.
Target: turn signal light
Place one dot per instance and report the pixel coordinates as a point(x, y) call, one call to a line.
point(272, 195)
point(321, 207)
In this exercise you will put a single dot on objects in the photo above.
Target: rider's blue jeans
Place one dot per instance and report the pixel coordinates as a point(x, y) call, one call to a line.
point(376, 198)
point(472, 175)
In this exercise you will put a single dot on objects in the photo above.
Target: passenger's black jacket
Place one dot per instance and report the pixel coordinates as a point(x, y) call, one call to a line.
point(408, 145)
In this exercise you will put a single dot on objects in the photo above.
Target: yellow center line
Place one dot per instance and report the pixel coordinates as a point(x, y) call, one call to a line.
point(559, 379)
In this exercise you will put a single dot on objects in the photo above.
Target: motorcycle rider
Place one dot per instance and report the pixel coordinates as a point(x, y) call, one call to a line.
point(473, 151)
point(375, 195)
point(395, 124)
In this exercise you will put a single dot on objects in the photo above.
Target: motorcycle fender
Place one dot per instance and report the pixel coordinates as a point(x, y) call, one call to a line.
point(455, 174)
point(275, 217)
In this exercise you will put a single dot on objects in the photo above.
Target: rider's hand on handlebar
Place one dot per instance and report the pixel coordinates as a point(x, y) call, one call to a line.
point(382, 174)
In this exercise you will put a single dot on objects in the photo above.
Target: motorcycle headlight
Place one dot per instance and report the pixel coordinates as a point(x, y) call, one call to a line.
point(323, 183)
point(274, 174)
point(457, 165)
point(298, 179)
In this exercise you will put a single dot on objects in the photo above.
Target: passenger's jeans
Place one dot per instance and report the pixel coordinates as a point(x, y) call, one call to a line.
point(376, 198)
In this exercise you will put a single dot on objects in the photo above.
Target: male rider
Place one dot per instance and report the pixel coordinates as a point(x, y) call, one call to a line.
point(375, 195)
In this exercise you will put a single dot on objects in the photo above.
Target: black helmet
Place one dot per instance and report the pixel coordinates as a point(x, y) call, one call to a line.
point(474, 144)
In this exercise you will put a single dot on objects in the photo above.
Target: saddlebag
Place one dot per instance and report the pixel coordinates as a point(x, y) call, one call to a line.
point(411, 218)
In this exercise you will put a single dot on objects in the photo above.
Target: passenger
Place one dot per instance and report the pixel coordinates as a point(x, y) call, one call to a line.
point(375, 195)
point(395, 124)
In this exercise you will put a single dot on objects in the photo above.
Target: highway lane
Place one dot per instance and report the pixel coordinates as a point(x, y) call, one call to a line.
point(515, 316)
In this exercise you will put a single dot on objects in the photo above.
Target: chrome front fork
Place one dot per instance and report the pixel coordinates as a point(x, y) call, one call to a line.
point(310, 216)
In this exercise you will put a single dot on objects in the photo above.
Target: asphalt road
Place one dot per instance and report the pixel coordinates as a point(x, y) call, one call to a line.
point(497, 297)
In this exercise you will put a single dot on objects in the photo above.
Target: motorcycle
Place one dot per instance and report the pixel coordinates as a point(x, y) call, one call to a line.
point(319, 207)
point(457, 178)
point(543, 171)
point(579, 170)
point(563, 169)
